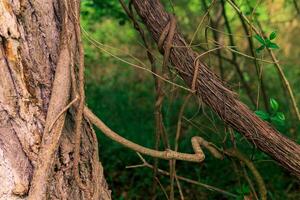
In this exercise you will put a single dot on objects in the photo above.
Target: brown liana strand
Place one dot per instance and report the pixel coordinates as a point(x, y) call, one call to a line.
point(58, 101)
point(181, 178)
point(179, 123)
point(258, 178)
point(167, 38)
point(79, 112)
point(197, 142)
point(78, 91)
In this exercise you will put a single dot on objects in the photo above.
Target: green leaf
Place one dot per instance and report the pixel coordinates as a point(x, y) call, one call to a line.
point(277, 122)
point(280, 116)
point(260, 48)
point(272, 36)
point(273, 46)
point(260, 39)
point(274, 104)
point(263, 115)
point(267, 42)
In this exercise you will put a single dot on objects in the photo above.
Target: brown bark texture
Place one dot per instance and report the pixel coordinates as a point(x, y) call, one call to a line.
point(29, 50)
point(216, 95)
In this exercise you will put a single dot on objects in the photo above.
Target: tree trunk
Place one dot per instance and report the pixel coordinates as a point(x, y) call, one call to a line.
point(213, 92)
point(29, 50)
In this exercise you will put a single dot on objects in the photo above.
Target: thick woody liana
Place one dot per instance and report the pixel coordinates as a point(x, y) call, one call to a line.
point(54, 124)
point(217, 96)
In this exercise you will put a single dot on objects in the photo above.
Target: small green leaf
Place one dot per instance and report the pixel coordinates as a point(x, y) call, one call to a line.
point(280, 116)
point(268, 42)
point(260, 39)
point(274, 104)
point(246, 76)
point(263, 115)
point(272, 35)
point(277, 122)
point(273, 46)
point(260, 48)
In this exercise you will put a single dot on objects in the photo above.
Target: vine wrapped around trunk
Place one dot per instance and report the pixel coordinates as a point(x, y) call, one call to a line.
point(34, 158)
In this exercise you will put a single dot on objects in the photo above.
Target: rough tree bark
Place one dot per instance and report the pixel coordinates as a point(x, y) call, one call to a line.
point(217, 96)
point(29, 48)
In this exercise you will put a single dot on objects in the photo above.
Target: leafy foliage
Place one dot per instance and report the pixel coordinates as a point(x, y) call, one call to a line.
point(266, 42)
point(99, 9)
point(275, 117)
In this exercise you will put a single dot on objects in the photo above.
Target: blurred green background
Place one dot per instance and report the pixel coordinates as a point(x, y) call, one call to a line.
point(123, 95)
